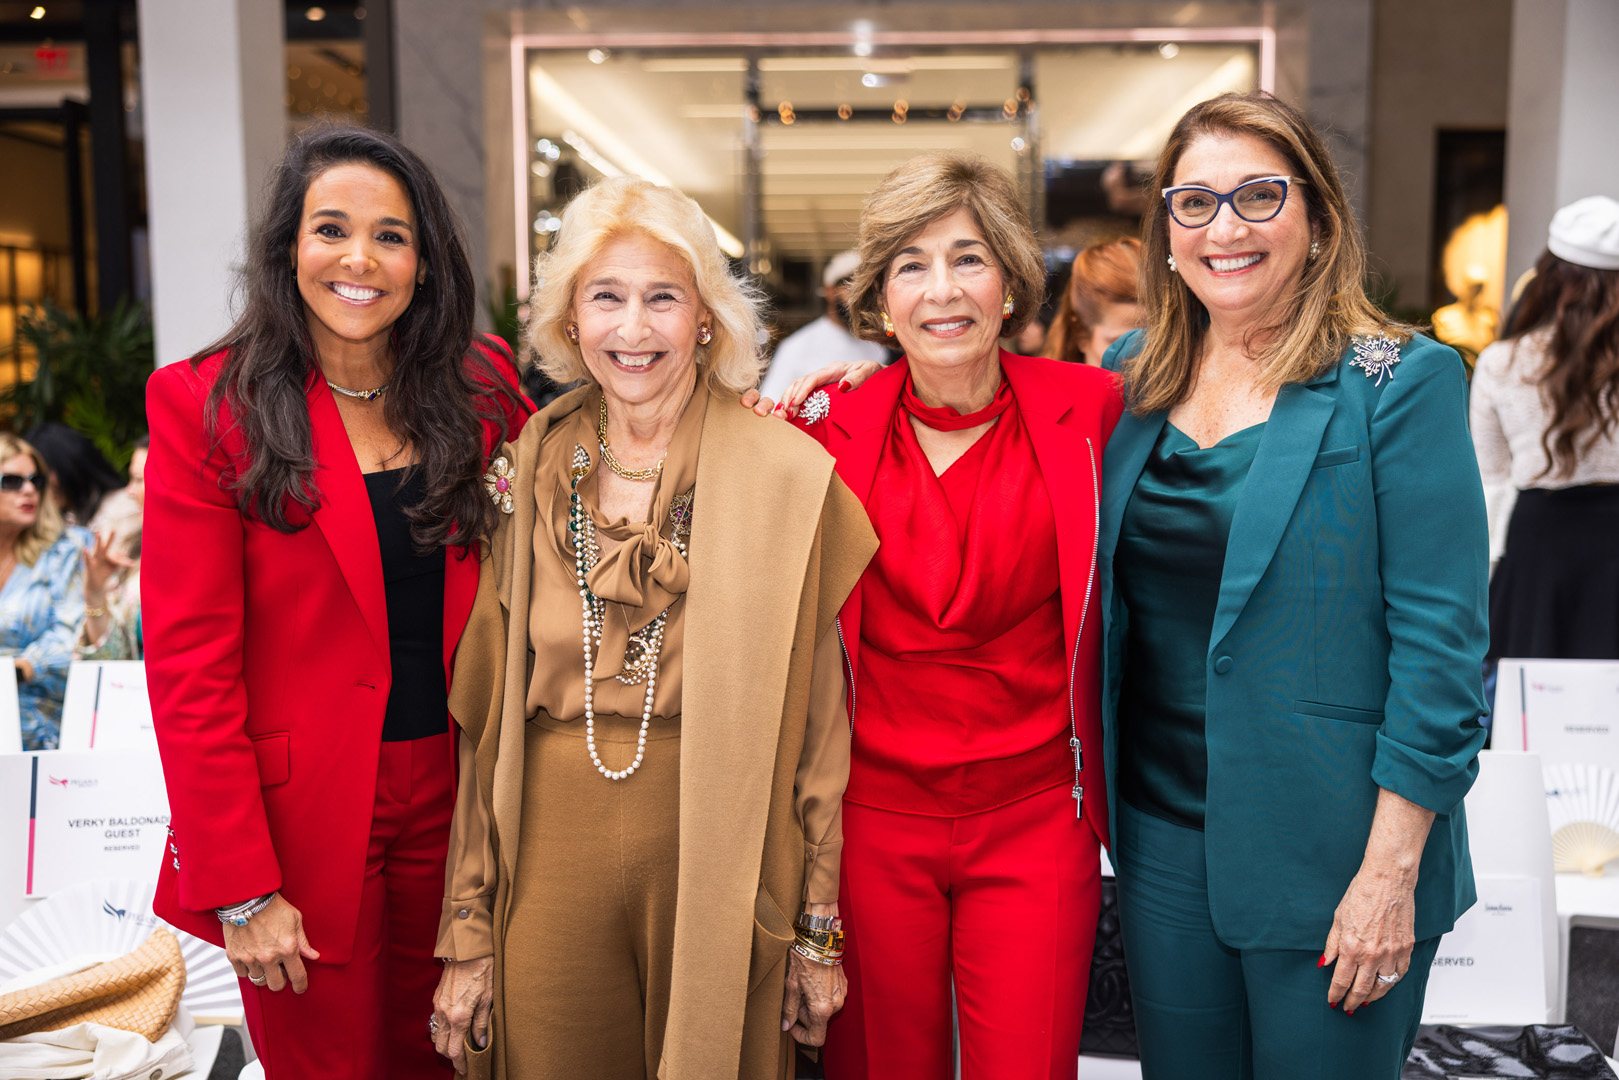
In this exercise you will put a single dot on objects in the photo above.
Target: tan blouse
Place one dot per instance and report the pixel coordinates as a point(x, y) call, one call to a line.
point(642, 575)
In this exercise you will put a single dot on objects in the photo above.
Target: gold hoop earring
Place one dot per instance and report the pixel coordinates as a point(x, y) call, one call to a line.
point(888, 325)
point(572, 330)
point(704, 335)
point(1006, 308)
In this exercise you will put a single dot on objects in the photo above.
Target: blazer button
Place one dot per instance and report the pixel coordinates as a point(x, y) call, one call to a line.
point(1222, 665)
point(463, 914)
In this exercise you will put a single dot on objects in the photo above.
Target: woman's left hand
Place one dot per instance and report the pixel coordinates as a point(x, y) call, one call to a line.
point(1374, 928)
point(814, 994)
point(1372, 935)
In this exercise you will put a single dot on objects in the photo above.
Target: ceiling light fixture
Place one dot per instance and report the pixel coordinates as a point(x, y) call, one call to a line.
point(1169, 50)
point(315, 14)
point(862, 38)
point(598, 56)
point(37, 13)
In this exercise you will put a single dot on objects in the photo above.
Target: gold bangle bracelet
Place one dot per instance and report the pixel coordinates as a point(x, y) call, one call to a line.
point(94, 612)
point(817, 957)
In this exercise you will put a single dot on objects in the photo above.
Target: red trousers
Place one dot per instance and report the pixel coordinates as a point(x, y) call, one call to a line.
point(1002, 903)
point(368, 1018)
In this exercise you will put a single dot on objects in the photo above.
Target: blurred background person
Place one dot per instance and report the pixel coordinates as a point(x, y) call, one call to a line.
point(828, 339)
point(1545, 419)
point(42, 598)
point(81, 476)
point(1099, 304)
point(112, 579)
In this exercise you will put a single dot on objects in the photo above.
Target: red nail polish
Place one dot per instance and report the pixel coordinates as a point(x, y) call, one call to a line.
point(844, 387)
point(1332, 1004)
point(1349, 1012)
point(1321, 962)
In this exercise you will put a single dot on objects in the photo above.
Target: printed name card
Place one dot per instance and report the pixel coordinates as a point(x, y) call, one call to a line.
point(1565, 710)
point(1491, 968)
point(96, 814)
point(106, 707)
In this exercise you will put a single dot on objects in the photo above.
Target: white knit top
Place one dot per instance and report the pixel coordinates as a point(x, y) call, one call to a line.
point(1509, 416)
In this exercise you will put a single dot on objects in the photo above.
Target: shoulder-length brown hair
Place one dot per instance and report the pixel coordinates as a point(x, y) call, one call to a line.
point(48, 525)
point(1308, 328)
point(1107, 273)
point(1580, 380)
point(931, 187)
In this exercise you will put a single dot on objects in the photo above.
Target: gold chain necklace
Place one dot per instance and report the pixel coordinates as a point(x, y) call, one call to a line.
point(652, 472)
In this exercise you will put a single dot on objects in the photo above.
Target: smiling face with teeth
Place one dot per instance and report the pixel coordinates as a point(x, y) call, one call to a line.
point(944, 292)
point(638, 312)
point(356, 260)
point(1238, 268)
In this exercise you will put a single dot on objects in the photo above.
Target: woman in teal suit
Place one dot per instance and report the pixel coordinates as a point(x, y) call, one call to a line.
point(1294, 578)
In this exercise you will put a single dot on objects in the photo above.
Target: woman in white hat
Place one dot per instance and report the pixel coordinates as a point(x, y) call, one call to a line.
point(1545, 419)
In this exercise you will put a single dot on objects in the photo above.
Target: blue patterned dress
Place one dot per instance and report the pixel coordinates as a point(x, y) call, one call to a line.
point(40, 610)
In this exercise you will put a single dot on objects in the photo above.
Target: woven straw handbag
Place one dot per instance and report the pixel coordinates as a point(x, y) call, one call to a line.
point(138, 992)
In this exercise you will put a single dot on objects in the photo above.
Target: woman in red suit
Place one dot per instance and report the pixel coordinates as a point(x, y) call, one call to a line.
point(975, 801)
point(314, 487)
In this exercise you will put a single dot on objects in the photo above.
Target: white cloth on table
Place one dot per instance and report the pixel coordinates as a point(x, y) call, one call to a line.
point(98, 1052)
point(824, 341)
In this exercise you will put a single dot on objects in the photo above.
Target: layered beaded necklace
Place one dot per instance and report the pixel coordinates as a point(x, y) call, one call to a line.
point(642, 650)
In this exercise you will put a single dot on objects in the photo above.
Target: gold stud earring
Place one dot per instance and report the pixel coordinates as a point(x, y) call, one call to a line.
point(888, 325)
point(1006, 308)
point(704, 335)
point(572, 330)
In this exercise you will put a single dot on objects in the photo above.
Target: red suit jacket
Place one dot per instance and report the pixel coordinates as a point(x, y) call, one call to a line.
point(1070, 411)
point(267, 663)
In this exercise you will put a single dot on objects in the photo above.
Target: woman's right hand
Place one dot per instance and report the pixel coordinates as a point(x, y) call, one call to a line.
point(271, 947)
point(461, 1004)
point(853, 374)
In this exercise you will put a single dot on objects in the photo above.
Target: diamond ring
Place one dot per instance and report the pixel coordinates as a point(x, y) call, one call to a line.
point(432, 1025)
point(1389, 980)
point(258, 980)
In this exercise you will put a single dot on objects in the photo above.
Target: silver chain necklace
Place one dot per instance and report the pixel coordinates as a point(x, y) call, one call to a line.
point(363, 395)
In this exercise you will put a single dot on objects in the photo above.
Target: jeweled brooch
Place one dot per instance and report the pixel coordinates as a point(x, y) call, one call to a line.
point(816, 407)
point(498, 483)
point(1376, 356)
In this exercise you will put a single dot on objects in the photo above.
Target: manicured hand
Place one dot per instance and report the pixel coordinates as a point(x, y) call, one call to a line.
point(272, 947)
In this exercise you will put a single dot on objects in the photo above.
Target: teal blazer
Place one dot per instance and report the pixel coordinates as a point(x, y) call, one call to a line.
point(1347, 647)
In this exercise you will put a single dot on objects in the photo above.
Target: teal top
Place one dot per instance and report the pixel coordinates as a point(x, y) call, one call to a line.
point(1171, 554)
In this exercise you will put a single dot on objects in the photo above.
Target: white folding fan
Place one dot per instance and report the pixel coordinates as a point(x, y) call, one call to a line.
point(101, 920)
point(1582, 801)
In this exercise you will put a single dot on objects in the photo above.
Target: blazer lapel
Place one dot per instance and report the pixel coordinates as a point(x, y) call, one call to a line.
point(1275, 481)
point(344, 514)
point(1125, 457)
point(1072, 472)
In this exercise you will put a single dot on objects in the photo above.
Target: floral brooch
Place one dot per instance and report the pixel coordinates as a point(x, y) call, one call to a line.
point(498, 483)
point(1376, 356)
point(816, 407)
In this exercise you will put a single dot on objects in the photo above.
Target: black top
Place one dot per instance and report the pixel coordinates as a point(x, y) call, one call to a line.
point(419, 702)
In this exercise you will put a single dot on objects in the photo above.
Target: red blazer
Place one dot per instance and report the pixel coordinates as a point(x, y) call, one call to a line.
point(1070, 411)
point(267, 663)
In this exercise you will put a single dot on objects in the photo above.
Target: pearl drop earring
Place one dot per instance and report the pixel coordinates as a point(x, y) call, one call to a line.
point(1172, 267)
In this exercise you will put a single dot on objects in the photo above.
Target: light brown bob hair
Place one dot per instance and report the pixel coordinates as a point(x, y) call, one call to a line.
point(626, 206)
point(48, 525)
point(924, 190)
point(1307, 329)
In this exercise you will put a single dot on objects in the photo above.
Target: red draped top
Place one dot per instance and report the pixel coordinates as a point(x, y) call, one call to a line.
point(962, 682)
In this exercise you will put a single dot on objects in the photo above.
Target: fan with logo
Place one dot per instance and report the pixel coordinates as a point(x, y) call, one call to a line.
point(1583, 803)
point(100, 920)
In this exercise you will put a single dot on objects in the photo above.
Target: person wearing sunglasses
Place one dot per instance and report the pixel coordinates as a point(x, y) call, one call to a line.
point(42, 595)
point(1293, 589)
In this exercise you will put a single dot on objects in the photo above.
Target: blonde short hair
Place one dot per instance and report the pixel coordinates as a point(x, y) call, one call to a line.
point(625, 206)
point(1306, 331)
point(48, 525)
point(929, 188)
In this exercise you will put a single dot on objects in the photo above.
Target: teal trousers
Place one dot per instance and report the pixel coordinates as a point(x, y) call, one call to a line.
point(1206, 1011)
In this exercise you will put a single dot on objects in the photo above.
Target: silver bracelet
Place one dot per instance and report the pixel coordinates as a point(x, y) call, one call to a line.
point(818, 922)
point(241, 913)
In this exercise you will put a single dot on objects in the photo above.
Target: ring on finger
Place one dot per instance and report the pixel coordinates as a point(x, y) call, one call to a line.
point(1389, 980)
point(257, 980)
point(432, 1025)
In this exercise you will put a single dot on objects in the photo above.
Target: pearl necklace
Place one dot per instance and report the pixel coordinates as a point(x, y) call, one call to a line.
point(646, 644)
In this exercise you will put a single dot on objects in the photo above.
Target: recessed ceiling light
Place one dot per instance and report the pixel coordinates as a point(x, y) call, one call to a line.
point(315, 14)
point(1169, 50)
point(598, 56)
point(37, 13)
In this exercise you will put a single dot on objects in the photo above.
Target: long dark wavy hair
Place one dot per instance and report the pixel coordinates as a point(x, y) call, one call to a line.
point(441, 386)
point(1581, 377)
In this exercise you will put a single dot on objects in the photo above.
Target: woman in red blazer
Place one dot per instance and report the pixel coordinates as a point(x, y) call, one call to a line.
point(975, 798)
point(314, 488)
